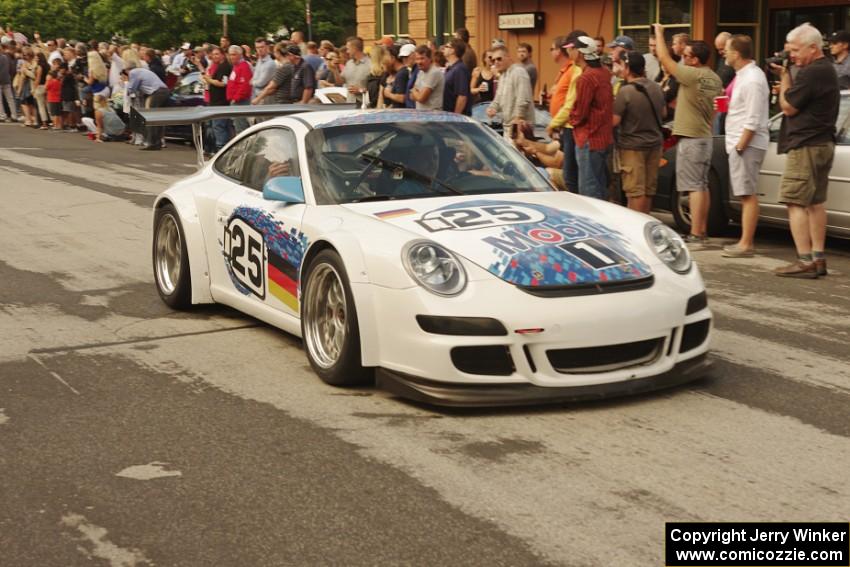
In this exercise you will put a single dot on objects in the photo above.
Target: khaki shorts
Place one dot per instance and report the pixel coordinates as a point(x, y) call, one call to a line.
point(744, 171)
point(806, 175)
point(639, 171)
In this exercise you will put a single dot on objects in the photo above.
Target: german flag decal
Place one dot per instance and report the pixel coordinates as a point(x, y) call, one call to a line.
point(283, 280)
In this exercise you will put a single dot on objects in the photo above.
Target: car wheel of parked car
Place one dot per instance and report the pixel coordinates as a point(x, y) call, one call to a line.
point(171, 259)
point(329, 323)
point(718, 219)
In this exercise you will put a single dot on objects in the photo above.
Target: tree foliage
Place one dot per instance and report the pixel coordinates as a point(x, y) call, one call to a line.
point(165, 23)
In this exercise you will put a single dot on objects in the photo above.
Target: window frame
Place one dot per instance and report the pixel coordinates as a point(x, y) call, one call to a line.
point(242, 181)
point(730, 27)
point(451, 9)
point(396, 18)
point(654, 11)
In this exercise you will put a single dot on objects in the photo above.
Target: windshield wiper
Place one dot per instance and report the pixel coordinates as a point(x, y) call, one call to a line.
point(411, 172)
point(374, 198)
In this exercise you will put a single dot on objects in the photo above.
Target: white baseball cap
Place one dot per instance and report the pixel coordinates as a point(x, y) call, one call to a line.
point(406, 50)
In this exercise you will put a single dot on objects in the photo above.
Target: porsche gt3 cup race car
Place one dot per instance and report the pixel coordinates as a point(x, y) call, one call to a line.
point(421, 251)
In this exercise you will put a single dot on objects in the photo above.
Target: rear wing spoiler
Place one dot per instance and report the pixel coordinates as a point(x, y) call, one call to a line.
point(197, 115)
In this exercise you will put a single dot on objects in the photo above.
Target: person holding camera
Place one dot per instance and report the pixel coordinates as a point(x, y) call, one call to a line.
point(809, 104)
point(698, 85)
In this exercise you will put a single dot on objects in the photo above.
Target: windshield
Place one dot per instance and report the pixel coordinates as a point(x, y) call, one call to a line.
point(408, 160)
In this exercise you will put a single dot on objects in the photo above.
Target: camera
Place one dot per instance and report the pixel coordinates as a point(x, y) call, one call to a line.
point(782, 58)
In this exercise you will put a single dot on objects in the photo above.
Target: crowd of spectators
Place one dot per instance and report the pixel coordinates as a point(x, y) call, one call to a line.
point(613, 108)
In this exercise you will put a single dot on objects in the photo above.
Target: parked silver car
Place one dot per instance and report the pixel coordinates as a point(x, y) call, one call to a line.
point(725, 207)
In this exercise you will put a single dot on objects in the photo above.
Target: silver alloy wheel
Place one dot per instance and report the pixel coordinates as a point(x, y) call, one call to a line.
point(683, 202)
point(168, 254)
point(325, 315)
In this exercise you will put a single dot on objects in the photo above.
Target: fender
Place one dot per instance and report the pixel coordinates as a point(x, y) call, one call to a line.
point(199, 274)
point(347, 246)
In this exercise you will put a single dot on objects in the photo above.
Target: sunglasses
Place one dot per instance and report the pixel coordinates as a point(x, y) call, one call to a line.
point(495, 59)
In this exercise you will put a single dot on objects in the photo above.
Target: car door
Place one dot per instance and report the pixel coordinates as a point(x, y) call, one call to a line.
point(259, 242)
point(838, 197)
point(770, 176)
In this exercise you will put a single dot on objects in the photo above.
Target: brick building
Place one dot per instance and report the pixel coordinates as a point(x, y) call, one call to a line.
point(514, 20)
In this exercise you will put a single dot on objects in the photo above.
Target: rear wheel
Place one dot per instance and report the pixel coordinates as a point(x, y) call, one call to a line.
point(329, 323)
point(171, 259)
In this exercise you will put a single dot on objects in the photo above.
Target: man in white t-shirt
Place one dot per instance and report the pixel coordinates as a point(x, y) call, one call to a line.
point(427, 91)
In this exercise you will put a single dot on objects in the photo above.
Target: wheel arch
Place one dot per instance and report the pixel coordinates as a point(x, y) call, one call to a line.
point(193, 233)
point(347, 247)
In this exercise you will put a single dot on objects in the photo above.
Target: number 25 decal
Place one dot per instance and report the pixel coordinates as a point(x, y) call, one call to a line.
point(245, 250)
point(594, 254)
point(470, 218)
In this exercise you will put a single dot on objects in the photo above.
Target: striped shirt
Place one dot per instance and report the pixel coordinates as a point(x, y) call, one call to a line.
point(592, 115)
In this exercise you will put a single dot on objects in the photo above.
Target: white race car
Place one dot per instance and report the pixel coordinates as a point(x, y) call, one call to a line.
point(421, 251)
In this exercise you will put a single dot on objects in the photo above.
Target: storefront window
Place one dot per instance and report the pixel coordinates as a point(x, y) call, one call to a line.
point(394, 17)
point(827, 19)
point(454, 16)
point(740, 17)
point(634, 13)
point(636, 16)
point(675, 11)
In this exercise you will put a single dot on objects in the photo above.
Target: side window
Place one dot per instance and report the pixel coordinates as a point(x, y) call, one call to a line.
point(273, 154)
point(232, 161)
point(843, 125)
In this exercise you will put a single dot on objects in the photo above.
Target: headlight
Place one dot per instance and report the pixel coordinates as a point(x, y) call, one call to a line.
point(434, 268)
point(668, 246)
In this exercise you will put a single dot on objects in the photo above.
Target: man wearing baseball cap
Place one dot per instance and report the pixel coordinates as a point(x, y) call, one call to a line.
point(839, 48)
point(592, 119)
point(563, 100)
point(397, 92)
point(303, 77)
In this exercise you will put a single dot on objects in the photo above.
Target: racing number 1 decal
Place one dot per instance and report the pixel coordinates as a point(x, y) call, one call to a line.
point(594, 254)
point(245, 249)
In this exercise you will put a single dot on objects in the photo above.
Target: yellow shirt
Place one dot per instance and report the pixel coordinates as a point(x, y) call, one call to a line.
point(561, 120)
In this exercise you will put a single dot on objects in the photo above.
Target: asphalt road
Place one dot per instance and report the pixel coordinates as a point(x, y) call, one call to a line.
point(134, 435)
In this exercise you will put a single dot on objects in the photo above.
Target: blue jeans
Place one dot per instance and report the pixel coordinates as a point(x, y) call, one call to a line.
point(222, 132)
point(592, 171)
point(240, 124)
point(570, 168)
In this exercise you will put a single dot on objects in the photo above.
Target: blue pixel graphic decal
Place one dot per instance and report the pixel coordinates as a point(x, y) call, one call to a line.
point(262, 256)
point(537, 245)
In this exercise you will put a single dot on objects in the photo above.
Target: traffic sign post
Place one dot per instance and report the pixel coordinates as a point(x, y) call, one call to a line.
point(224, 10)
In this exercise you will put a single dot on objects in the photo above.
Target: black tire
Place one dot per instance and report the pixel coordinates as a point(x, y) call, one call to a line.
point(346, 368)
point(175, 291)
point(718, 219)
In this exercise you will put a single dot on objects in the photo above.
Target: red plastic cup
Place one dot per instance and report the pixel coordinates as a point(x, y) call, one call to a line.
point(721, 103)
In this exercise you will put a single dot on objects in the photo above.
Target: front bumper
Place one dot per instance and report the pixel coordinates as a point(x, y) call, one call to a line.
point(518, 394)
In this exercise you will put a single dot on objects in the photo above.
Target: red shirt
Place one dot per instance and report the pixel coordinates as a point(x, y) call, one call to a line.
point(239, 82)
point(53, 87)
point(593, 113)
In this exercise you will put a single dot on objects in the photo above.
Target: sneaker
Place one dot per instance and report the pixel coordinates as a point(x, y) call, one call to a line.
point(820, 265)
point(695, 242)
point(735, 251)
point(150, 148)
point(798, 269)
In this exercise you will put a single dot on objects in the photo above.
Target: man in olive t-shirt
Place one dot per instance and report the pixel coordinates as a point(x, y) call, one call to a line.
point(698, 85)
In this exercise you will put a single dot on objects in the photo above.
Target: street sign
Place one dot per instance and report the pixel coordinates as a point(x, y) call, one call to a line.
point(225, 9)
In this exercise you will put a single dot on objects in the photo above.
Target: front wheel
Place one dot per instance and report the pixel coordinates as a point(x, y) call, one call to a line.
point(329, 323)
point(171, 259)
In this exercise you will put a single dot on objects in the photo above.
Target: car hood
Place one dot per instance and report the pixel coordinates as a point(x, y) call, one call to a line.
point(527, 239)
